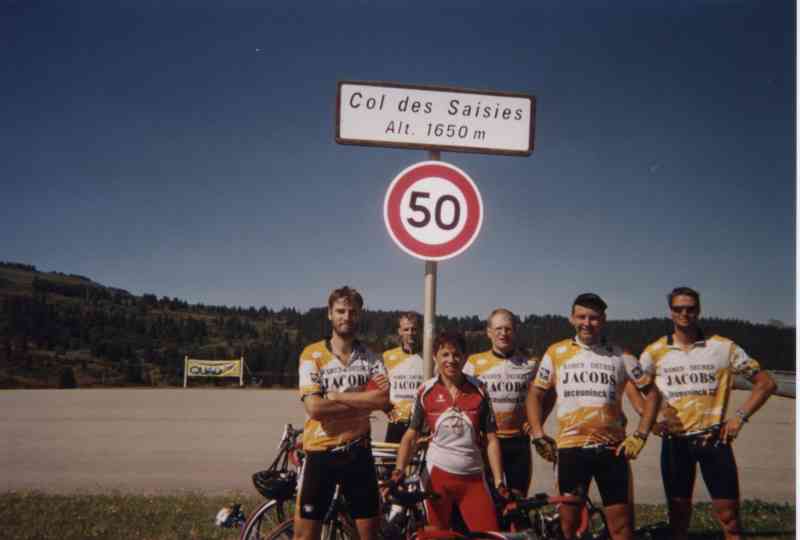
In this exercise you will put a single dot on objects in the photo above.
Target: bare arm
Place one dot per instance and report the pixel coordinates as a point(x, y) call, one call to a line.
point(369, 400)
point(650, 405)
point(763, 387)
point(534, 410)
point(408, 445)
point(495, 458)
point(634, 397)
point(319, 408)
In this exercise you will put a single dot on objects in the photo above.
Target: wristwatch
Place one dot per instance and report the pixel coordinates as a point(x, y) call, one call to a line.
point(741, 415)
point(640, 435)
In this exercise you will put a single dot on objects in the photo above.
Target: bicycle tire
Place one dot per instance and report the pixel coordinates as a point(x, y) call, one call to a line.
point(269, 515)
point(284, 531)
point(598, 527)
point(339, 529)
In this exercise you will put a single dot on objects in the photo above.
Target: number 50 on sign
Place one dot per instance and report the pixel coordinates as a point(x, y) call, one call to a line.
point(433, 210)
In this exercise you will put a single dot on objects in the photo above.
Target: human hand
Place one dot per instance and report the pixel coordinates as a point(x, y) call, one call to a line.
point(381, 380)
point(632, 445)
point(546, 448)
point(730, 429)
point(503, 493)
point(396, 479)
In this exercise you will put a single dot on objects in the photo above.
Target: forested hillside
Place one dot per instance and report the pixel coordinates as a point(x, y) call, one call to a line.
point(65, 330)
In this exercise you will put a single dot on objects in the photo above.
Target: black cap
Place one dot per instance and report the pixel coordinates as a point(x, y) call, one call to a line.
point(591, 301)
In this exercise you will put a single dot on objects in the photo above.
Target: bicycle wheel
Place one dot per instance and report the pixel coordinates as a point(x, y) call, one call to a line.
point(264, 519)
point(598, 528)
point(284, 531)
point(340, 528)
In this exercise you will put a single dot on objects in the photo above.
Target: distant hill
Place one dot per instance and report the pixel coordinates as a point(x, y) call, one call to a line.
point(60, 329)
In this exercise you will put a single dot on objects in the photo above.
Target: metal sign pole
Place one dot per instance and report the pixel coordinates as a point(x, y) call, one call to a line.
point(429, 328)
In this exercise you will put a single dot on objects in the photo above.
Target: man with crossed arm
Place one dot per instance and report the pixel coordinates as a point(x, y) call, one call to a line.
point(341, 382)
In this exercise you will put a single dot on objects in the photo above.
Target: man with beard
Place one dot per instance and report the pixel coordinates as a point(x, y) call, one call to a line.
point(695, 376)
point(405, 371)
point(341, 382)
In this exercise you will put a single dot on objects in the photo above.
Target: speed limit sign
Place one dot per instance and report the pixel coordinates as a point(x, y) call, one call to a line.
point(433, 210)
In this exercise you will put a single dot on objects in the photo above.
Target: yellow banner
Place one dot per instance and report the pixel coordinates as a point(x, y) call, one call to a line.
point(213, 368)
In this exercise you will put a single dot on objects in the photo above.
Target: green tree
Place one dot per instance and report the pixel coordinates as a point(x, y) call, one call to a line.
point(67, 378)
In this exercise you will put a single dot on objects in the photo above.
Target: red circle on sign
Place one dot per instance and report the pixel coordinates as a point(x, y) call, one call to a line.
point(462, 182)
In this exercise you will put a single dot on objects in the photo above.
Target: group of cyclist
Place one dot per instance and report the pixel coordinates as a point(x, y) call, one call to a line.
point(482, 413)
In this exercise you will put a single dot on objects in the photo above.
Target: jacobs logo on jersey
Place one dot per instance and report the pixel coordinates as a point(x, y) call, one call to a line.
point(516, 387)
point(337, 382)
point(591, 377)
point(406, 382)
point(691, 378)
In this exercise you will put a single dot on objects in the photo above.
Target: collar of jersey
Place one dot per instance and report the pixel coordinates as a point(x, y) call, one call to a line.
point(465, 383)
point(578, 343)
point(357, 348)
point(503, 356)
point(701, 341)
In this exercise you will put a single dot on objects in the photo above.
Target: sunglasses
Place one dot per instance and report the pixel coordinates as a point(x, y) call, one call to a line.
point(684, 309)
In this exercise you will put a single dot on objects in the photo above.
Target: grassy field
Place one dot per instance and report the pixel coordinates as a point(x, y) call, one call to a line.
point(34, 515)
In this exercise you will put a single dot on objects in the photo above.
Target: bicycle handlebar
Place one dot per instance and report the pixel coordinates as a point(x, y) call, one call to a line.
point(404, 498)
point(543, 499)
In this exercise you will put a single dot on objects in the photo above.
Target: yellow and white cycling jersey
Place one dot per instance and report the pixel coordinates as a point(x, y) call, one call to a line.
point(406, 375)
point(506, 380)
point(321, 372)
point(589, 383)
point(696, 384)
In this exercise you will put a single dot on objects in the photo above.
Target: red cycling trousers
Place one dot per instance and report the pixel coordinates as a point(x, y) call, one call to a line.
point(469, 492)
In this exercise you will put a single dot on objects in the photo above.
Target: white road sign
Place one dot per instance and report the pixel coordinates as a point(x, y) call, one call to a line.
point(388, 114)
point(433, 210)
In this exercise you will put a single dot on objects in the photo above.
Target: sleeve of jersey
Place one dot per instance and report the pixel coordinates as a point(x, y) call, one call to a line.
point(417, 414)
point(469, 369)
point(647, 365)
point(544, 374)
point(378, 368)
point(742, 364)
point(488, 422)
point(635, 371)
point(309, 379)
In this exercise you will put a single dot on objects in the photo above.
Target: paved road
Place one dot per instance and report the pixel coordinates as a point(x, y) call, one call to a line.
point(212, 440)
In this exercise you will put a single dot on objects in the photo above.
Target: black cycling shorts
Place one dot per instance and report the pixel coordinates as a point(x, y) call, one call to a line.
point(353, 470)
point(516, 453)
point(577, 467)
point(679, 459)
point(395, 431)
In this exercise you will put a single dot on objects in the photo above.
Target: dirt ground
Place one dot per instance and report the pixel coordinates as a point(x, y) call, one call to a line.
point(212, 440)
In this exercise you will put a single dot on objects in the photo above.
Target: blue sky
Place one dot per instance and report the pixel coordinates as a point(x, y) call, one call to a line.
point(187, 149)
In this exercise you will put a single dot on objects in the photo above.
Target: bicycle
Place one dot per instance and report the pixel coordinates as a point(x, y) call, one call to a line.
point(338, 525)
point(538, 516)
point(278, 485)
point(532, 518)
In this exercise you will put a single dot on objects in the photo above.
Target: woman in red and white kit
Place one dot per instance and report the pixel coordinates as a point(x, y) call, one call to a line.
point(459, 416)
